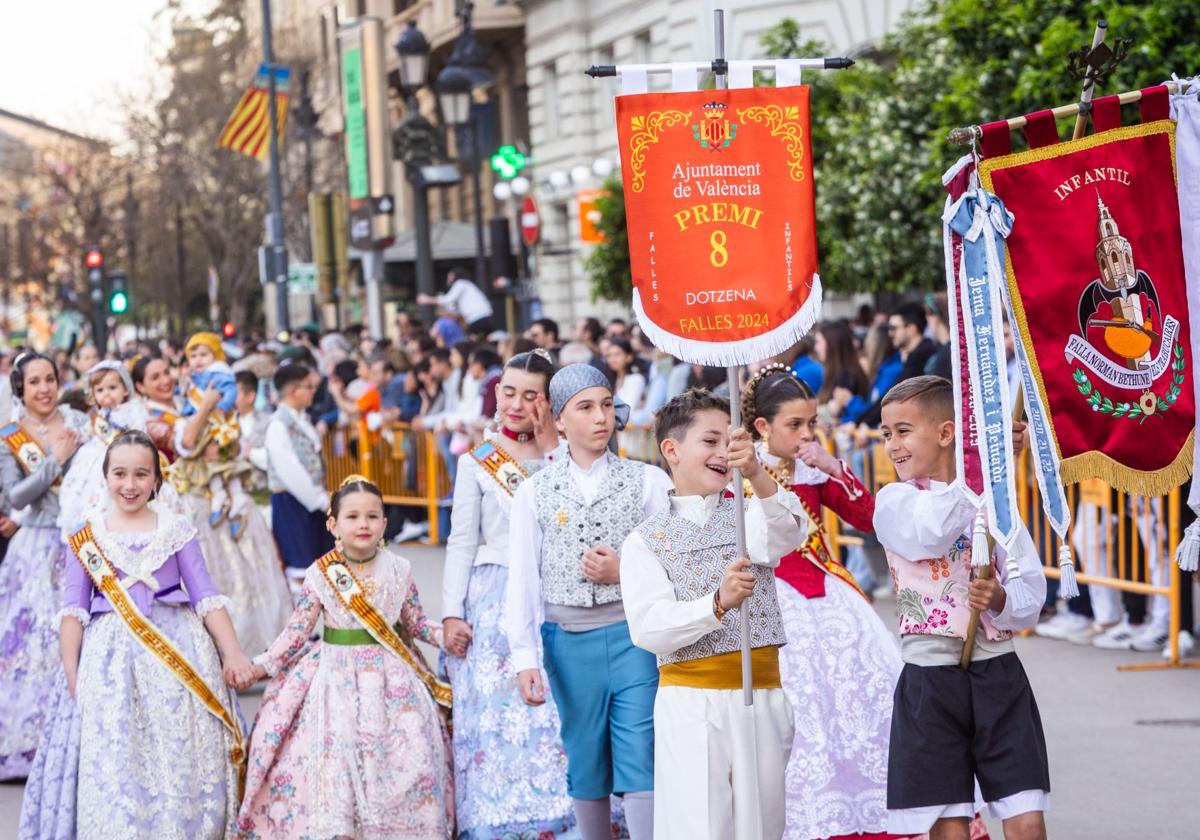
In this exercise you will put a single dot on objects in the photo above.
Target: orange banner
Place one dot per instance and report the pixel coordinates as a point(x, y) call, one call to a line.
point(722, 233)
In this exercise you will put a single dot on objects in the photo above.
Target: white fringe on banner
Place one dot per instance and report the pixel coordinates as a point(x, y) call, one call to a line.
point(727, 353)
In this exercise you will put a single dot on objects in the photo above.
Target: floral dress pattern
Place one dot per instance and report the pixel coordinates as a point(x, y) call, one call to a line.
point(510, 768)
point(348, 740)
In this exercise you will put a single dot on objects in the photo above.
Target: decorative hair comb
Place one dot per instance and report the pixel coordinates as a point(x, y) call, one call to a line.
point(354, 478)
point(543, 353)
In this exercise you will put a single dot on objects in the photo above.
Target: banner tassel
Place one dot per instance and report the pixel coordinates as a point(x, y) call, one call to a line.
point(1188, 553)
point(981, 555)
point(1019, 595)
point(1067, 586)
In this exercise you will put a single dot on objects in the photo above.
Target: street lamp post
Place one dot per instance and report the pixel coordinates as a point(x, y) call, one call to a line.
point(415, 142)
point(465, 72)
point(276, 242)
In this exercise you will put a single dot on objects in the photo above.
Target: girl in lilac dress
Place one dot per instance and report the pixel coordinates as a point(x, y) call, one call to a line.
point(129, 750)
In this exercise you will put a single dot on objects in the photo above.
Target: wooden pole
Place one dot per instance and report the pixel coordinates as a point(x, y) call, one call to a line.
point(1090, 85)
point(962, 136)
point(984, 573)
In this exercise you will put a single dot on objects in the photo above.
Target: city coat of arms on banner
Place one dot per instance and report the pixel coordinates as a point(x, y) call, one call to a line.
point(722, 235)
point(1096, 275)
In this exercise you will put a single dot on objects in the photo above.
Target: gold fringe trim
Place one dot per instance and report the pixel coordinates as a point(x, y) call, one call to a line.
point(1136, 482)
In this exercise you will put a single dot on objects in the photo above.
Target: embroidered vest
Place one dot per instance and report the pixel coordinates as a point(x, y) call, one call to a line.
point(695, 558)
point(570, 526)
point(931, 595)
point(309, 453)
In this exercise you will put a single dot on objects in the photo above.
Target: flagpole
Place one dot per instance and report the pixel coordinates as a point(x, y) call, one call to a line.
point(732, 374)
point(277, 262)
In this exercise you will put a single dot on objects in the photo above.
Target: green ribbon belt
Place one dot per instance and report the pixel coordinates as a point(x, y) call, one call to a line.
point(355, 636)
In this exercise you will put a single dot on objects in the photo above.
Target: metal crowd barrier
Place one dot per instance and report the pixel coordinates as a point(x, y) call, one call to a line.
point(1128, 544)
point(406, 465)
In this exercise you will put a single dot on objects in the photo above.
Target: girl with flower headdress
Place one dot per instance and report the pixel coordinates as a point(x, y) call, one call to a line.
point(841, 663)
point(350, 740)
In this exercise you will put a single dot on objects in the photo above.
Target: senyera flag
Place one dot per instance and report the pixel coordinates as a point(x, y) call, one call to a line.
point(248, 128)
point(719, 207)
point(1096, 275)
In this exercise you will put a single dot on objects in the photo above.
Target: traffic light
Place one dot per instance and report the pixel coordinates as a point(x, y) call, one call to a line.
point(118, 294)
point(228, 330)
point(508, 162)
point(93, 261)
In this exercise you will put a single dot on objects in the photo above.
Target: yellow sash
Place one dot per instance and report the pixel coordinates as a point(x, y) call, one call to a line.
point(26, 450)
point(499, 465)
point(350, 592)
point(100, 569)
point(724, 670)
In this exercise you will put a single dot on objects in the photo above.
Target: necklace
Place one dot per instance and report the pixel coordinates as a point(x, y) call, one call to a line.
point(357, 562)
point(519, 437)
point(782, 475)
point(370, 586)
point(42, 429)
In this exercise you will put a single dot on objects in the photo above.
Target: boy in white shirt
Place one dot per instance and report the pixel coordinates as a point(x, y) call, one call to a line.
point(953, 725)
point(564, 590)
point(719, 764)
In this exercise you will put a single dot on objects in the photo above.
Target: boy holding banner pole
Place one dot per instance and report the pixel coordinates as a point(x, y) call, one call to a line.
point(952, 725)
point(720, 762)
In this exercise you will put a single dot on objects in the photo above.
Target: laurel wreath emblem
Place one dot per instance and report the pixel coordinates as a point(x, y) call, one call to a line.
point(1148, 405)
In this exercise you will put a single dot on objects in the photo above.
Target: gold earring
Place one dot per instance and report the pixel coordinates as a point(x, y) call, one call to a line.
point(337, 544)
point(382, 542)
point(766, 438)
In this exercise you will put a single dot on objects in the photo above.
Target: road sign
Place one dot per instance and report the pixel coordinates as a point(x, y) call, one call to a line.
point(302, 279)
point(531, 225)
point(383, 204)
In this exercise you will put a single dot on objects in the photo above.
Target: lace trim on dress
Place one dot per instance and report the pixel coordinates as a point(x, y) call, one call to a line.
point(172, 533)
point(213, 603)
point(73, 612)
point(267, 662)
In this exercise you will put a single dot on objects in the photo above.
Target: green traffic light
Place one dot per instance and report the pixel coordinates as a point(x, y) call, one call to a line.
point(118, 303)
point(507, 162)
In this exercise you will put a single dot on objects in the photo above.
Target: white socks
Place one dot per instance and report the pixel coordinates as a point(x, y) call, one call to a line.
point(639, 814)
point(593, 817)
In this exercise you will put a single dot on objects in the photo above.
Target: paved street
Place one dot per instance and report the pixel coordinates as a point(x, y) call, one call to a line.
point(1124, 746)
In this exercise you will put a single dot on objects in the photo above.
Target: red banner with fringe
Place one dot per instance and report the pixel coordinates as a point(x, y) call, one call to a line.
point(720, 214)
point(1095, 269)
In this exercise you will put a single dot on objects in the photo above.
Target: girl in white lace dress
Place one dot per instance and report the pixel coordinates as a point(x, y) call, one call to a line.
point(840, 665)
point(129, 749)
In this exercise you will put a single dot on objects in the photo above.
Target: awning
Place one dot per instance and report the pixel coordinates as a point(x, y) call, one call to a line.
point(448, 240)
